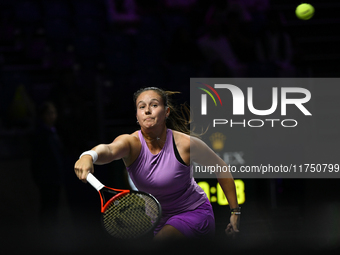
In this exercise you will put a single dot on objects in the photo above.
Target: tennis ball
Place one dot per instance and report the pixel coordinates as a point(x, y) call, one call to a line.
point(304, 11)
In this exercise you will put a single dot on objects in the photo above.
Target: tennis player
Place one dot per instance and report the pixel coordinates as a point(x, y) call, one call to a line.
point(158, 160)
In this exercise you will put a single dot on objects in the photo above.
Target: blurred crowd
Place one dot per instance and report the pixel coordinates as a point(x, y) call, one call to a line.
point(84, 55)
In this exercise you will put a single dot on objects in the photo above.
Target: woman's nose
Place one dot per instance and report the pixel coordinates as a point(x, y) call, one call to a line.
point(147, 110)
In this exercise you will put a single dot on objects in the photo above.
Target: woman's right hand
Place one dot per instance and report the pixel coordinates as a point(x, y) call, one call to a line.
point(83, 166)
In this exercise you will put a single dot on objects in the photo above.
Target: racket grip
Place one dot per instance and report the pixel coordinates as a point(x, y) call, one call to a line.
point(94, 182)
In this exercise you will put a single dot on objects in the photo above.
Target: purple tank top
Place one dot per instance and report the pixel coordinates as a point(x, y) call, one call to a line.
point(163, 176)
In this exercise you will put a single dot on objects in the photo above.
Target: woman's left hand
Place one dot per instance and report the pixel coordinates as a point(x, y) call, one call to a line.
point(232, 228)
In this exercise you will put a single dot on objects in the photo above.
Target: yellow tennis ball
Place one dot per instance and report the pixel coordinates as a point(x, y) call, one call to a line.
point(304, 11)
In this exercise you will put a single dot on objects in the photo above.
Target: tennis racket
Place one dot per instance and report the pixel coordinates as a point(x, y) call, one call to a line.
point(126, 214)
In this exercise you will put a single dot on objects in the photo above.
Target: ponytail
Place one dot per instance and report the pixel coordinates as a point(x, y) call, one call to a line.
point(179, 118)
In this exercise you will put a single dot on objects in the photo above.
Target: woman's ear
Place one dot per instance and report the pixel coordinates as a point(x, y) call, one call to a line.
point(167, 111)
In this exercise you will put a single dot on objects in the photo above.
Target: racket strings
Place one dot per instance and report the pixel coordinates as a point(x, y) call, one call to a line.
point(131, 216)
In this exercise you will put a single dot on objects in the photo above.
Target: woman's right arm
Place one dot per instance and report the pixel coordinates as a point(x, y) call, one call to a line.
point(118, 149)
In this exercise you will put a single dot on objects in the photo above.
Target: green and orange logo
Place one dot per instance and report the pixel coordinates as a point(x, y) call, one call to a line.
point(204, 97)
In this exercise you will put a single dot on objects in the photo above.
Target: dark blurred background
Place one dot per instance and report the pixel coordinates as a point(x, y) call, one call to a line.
point(68, 72)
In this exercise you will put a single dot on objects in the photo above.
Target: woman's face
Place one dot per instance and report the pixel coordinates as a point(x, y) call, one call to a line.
point(151, 111)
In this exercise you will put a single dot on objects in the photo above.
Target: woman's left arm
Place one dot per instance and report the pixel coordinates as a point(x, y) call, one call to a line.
point(229, 189)
point(205, 156)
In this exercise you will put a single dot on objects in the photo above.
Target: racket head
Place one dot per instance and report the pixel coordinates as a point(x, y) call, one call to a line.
point(131, 215)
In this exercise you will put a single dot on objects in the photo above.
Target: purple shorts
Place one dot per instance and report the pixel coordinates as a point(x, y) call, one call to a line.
point(197, 223)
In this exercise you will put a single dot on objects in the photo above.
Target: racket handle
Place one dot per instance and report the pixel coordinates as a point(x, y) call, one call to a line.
point(94, 182)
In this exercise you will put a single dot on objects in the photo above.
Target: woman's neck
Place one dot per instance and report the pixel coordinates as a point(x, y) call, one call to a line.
point(155, 138)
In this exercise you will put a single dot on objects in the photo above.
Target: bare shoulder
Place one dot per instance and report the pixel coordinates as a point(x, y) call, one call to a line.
point(131, 143)
point(182, 142)
point(131, 139)
point(181, 138)
point(185, 139)
point(134, 136)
